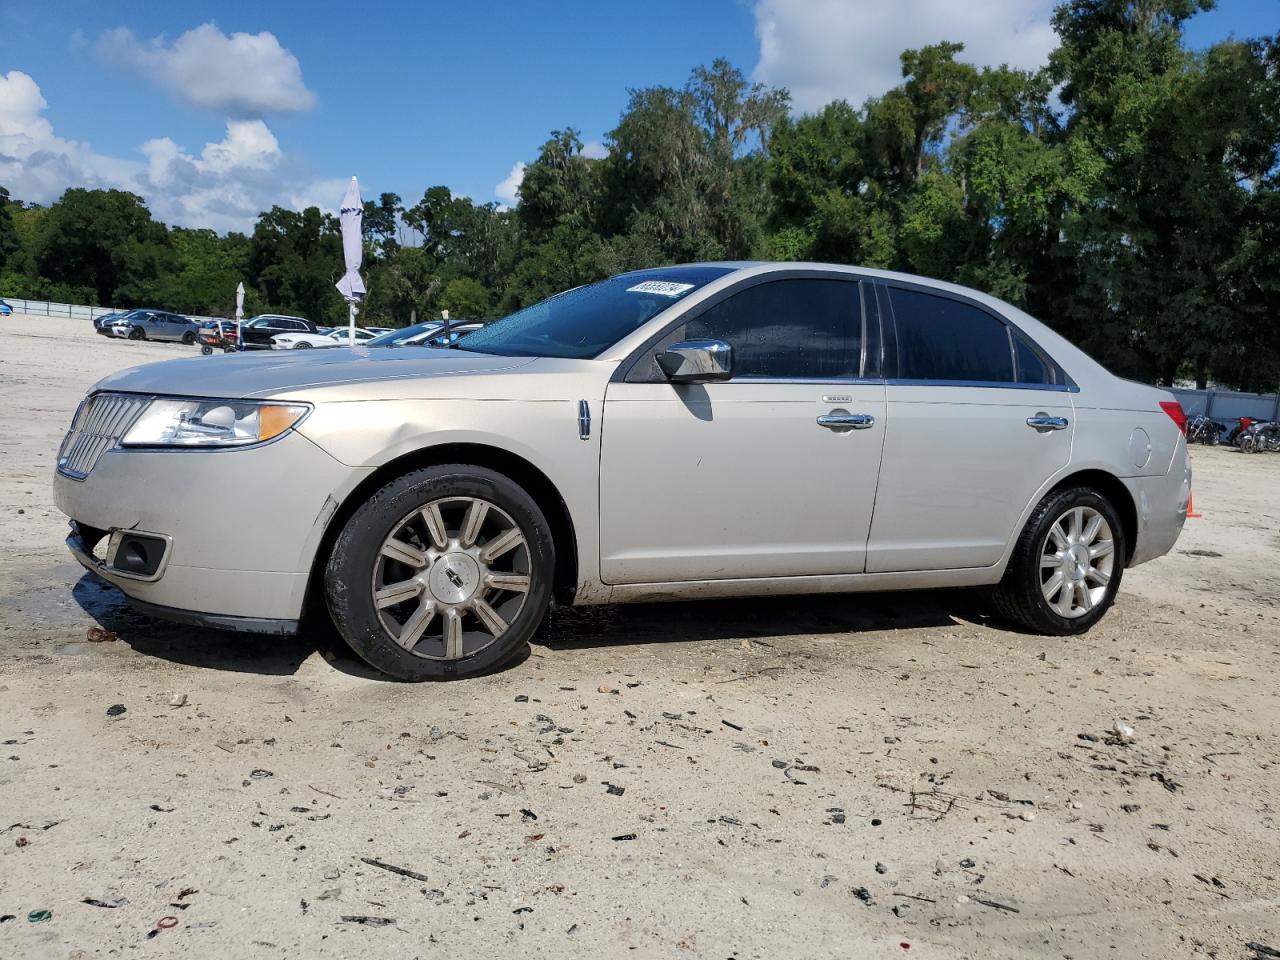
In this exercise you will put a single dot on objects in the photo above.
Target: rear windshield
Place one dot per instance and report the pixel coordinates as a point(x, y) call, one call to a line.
point(582, 323)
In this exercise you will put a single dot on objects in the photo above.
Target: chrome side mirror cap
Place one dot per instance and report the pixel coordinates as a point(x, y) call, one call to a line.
point(697, 361)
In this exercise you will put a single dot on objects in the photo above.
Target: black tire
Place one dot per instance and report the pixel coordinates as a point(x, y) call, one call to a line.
point(349, 573)
point(228, 349)
point(1020, 595)
point(206, 350)
point(137, 333)
point(303, 345)
point(188, 338)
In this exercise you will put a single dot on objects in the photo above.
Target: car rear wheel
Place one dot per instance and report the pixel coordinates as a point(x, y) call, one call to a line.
point(1067, 564)
point(137, 333)
point(443, 573)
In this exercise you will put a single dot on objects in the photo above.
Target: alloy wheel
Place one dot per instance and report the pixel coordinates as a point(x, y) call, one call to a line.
point(1077, 559)
point(451, 577)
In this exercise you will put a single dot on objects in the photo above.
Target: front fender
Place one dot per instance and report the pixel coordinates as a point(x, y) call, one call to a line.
point(545, 433)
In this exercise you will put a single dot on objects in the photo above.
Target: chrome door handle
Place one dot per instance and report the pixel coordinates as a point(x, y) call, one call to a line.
point(1042, 421)
point(846, 421)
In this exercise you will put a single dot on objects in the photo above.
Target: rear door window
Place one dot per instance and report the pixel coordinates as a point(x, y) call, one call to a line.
point(948, 340)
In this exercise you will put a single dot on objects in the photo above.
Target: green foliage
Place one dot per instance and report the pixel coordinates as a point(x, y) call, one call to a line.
point(104, 244)
point(9, 242)
point(294, 260)
point(1128, 194)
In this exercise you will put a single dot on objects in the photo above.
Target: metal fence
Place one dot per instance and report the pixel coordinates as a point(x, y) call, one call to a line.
point(72, 311)
point(1228, 405)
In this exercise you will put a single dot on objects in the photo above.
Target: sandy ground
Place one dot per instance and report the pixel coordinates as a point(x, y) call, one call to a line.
point(833, 777)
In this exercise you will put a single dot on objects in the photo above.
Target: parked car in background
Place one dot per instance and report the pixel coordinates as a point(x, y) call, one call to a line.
point(259, 330)
point(5, 309)
point(103, 323)
point(429, 332)
point(706, 430)
point(408, 334)
point(155, 325)
point(305, 341)
point(377, 330)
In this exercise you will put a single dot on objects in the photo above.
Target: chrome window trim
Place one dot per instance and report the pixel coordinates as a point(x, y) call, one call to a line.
point(984, 384)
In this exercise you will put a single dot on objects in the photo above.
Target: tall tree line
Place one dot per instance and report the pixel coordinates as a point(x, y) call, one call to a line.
point(1127, 193)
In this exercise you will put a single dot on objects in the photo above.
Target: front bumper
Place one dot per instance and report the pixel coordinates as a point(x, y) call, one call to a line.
point(244, 524)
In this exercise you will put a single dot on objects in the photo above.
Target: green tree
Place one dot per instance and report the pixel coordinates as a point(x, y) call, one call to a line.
point(295, 259)
point(104, 244)
point(9, 243)
point(466, 299)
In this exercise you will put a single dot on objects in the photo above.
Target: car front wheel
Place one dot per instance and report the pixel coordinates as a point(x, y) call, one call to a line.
point(137, 333)
point(188, 338)
point(302, 345)
point(443, 573)
point(1066, 566)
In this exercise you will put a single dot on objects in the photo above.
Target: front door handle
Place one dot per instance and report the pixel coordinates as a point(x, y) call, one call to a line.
point(1042, 421)
point(846, 421)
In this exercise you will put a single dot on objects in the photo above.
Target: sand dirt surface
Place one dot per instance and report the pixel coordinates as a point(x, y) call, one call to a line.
point(864, 776)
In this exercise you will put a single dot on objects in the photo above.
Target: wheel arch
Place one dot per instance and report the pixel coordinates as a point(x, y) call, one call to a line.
point(1109, 486)
point(511, 465)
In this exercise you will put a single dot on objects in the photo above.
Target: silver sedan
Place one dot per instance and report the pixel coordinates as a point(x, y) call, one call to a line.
point(709, 430)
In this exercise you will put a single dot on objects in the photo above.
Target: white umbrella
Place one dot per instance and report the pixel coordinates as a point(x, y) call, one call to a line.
point(351, 218)
point(239, 315)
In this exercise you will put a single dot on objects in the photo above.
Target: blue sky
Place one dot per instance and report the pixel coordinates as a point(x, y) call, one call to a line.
point(411, 94)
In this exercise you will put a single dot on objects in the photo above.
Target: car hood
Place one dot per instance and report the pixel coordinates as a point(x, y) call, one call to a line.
point(265, 374)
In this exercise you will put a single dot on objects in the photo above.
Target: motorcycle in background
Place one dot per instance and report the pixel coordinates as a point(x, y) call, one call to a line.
point(1200, 429)
point(1261, 437)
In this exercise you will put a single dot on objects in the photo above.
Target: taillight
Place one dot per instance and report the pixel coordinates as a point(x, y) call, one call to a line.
point(1174, 409)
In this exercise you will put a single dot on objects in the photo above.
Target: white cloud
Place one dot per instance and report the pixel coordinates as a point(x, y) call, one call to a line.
point(224, 187)
point(595, 150)
point(243, 74)
point(508, 191)
point(35, 164)
point(823, 50)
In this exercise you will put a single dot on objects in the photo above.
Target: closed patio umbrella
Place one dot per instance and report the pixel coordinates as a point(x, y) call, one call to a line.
point(351, 219)
point(239, 315)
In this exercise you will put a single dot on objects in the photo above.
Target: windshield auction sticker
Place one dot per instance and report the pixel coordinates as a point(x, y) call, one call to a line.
point(663, 288)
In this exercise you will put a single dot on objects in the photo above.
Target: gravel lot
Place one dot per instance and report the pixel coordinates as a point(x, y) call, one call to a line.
point(867, 776)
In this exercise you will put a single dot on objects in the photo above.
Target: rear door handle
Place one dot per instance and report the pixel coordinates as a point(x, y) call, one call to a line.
point(1042, 421)
point(846, 421)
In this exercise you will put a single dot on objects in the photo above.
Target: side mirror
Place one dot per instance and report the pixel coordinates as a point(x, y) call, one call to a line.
point(697, 361)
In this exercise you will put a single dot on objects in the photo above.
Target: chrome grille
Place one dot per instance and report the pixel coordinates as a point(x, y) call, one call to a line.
point(98, 425)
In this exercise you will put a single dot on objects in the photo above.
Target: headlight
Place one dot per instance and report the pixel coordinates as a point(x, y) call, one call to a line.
point(211, 423)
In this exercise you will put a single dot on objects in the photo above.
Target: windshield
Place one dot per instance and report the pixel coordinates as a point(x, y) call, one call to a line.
point(581, 323)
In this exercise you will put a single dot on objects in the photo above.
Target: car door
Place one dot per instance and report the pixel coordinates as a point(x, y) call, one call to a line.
point(742, 479)
point(978, 419)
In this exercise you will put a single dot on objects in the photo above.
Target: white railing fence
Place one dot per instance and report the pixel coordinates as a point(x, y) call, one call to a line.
point(72, 311)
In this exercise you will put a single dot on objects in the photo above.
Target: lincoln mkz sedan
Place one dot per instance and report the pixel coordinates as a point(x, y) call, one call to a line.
point(709, 430)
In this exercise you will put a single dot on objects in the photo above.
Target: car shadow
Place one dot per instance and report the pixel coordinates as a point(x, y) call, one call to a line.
point(563, 629)
point(758, 617)
point(214, 649)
